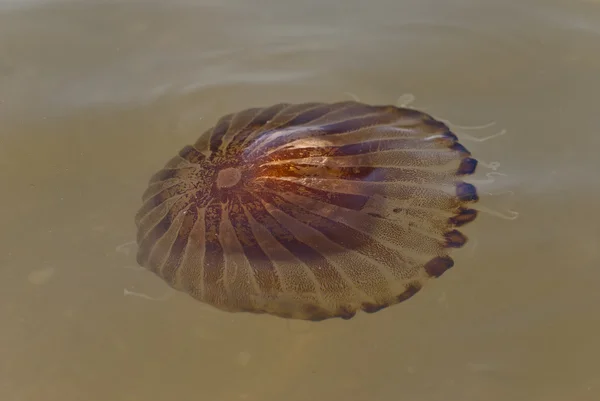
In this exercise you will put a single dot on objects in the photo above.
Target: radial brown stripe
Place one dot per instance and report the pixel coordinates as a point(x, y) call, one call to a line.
point(191, 154)
point(352, 149)
point(153, 229)
point(313, 112)
point(175, 255)
point(258, 123)
point(216, 137)
point(305, 113)
point(414, 195)
point(157, 192)
point(286, 154)
point(240, 122)
point(341, 234)
point(379, 145)
point(292, 133)
point(280, 120)
point(156, 195)
point(404, 141)
point(348, 201)
point(359, 173)
point(423, 152)
point(328, 279)
point(168, 174)
point(367, 278)
point(345, 111)
point(384, 230)
point(191, 272)
point(439, 161)
point(214, 260)
point(360, 204)
point(362, 122)
point(264, 271)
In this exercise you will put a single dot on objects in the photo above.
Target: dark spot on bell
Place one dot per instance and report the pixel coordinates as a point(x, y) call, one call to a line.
point(460, 148)
point(463, 217)
point(411, 289)
point(346, 313)
point(191, 154)
point(372, 308)
point(466, 192)
point(438, 265)
point(467, 166)
point(455, 239)
point(163, 175)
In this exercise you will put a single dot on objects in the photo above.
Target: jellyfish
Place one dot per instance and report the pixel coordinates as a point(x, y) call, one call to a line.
point(309, 211)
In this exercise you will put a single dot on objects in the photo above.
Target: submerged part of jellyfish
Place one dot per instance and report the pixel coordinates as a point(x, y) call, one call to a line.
point(309, 211)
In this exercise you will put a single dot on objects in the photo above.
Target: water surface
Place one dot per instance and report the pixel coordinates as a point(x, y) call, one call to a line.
point(97, 95)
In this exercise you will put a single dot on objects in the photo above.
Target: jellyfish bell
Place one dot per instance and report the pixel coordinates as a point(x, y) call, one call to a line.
point(309, 211)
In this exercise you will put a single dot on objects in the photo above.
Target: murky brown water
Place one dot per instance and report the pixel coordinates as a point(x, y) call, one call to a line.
point(95, 96)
